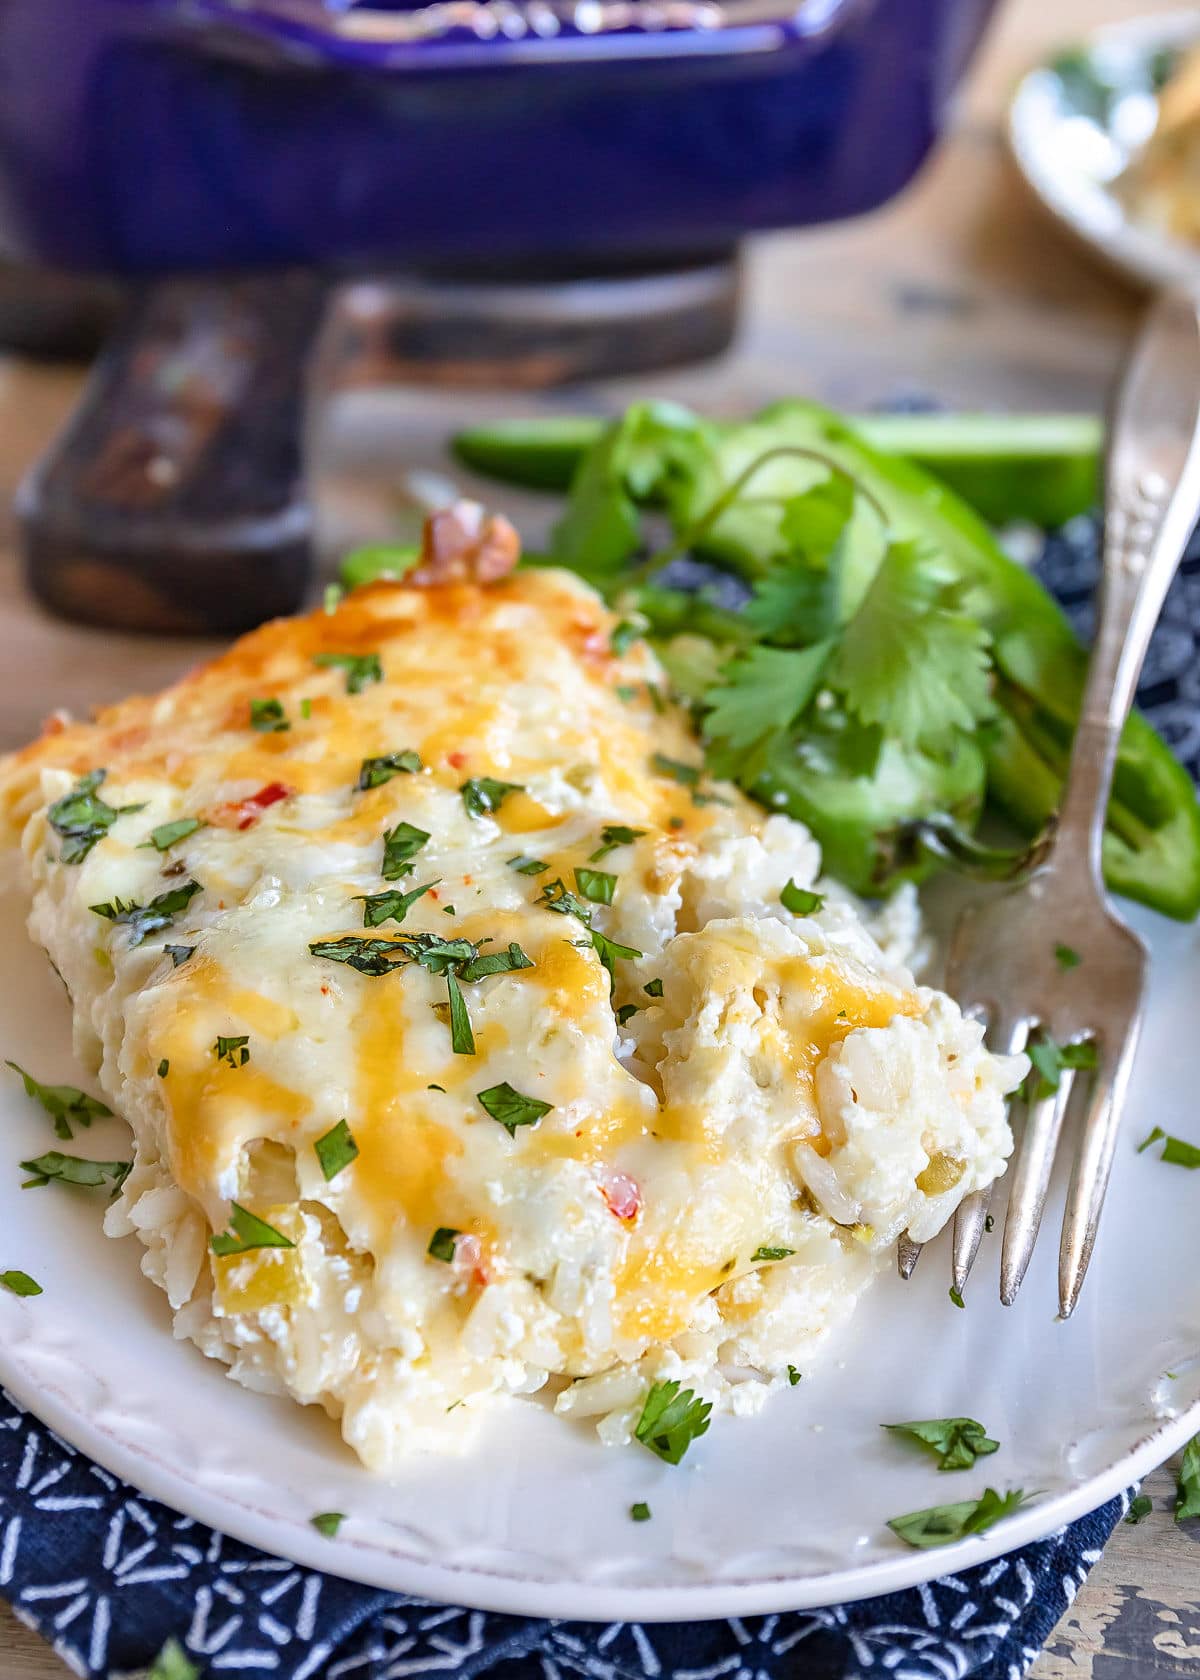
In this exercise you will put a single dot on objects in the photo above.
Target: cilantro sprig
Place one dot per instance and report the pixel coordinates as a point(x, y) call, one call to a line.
point(942, 1525)
point(56, 1168)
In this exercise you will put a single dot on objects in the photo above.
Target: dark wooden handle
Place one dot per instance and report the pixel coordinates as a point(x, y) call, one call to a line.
point(175, 499)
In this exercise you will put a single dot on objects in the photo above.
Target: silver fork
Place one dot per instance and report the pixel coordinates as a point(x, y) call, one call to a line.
point(1004, 961)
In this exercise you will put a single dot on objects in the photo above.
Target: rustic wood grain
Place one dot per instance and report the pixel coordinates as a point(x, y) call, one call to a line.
point(963, 291)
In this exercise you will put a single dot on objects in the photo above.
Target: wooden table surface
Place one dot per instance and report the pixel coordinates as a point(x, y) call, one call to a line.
point(962, 291)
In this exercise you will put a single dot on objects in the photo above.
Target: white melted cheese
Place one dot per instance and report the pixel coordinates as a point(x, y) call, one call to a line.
point(783, 1085)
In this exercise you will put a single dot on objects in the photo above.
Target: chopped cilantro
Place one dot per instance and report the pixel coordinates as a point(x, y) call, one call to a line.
point(73, 1169)
point(1139, 1508)
point(268, 717)
point(164, 1068)
point(596, 885)
point(400, 845)
point(360, 668)
point(1187, 1504)
point(640, 1512)
point(247, 1232)
point(941, 1525)
point(80, 818)
point(63, 1103)
point(609, 950)
point(1049, 1061)
point(653, 988)
point(511, 1108)
point(328, 1523)
point(375, 771)
point(495, 962)
point(763, 1252)
point(483, 795)
point(331, 599)
point(366, 956)
point(462, 1038)
point(671, 1420)
point(335, 1150)
point(1175, 1150)
point(168, 834)
point(234, 1052)
point(306, 709)
point(557, 896)
point(956, 1296)
point(626, 692)
point(623, 637)
point(1067, 956)
point(800, 901)
point(955, 1442)
point(793, 1376)
point(528, 865)
point(626, 1013)
point(613, 835)
point(19, 1283)
point(172, 1663)
point(145, 919)
point(687, 775)
point(442, 1243)
point(390, 906)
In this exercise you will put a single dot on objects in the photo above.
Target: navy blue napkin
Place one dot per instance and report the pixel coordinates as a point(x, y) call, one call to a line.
point(108, 1576)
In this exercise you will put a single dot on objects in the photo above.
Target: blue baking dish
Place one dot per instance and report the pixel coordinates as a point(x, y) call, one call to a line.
point(144, 136)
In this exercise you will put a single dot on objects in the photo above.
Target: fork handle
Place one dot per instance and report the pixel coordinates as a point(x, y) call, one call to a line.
point(1152, 505)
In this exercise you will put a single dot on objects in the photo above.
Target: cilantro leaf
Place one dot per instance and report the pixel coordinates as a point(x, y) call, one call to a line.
point(19, 1283)
point(63, 1103)
point(687, 775)
point(73, 1169)
point(1139, 1508)
point(145, 919)
point(800, 900)
point(764, 1252)
point(557, 896)
point(955, 1442)
point(268, 717)
point(623, 636)
point(400, 845)
point(763, 692)
point(328, 1523)
point(511, 1108)
point(1187, 1503)
point(336, 1150)
point(653, 988)
point(609, 951)
point(246, 1233)
point(1066, 956)
point(794, 1376)
point(671, 1420)
point(941, 1525)
point(798, 602)
point(390, 906)
point(360, 668)
point(640, 1512)
point(375, 771)
point(233, 1052)
point(613, 835)
point(483, 795)
point(910, 659)
point(596, 885)
point(168, 834)
point(442, 1243)
point(1175, 1150)
point(80, 818)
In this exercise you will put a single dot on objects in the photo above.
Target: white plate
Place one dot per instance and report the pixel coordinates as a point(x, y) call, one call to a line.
point(787, 1510)
point(1071, 161)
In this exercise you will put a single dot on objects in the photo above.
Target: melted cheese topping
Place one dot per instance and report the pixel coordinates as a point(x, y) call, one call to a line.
point(671, 1149)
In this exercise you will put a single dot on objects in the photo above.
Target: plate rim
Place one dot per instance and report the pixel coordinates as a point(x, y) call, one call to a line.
point(378, 1566)
point(1147, 257)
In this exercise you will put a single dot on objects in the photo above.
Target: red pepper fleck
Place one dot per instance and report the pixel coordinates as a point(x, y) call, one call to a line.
point(469, 1257)
point(457, 759)
point(242, 812)
point(623, 1195)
